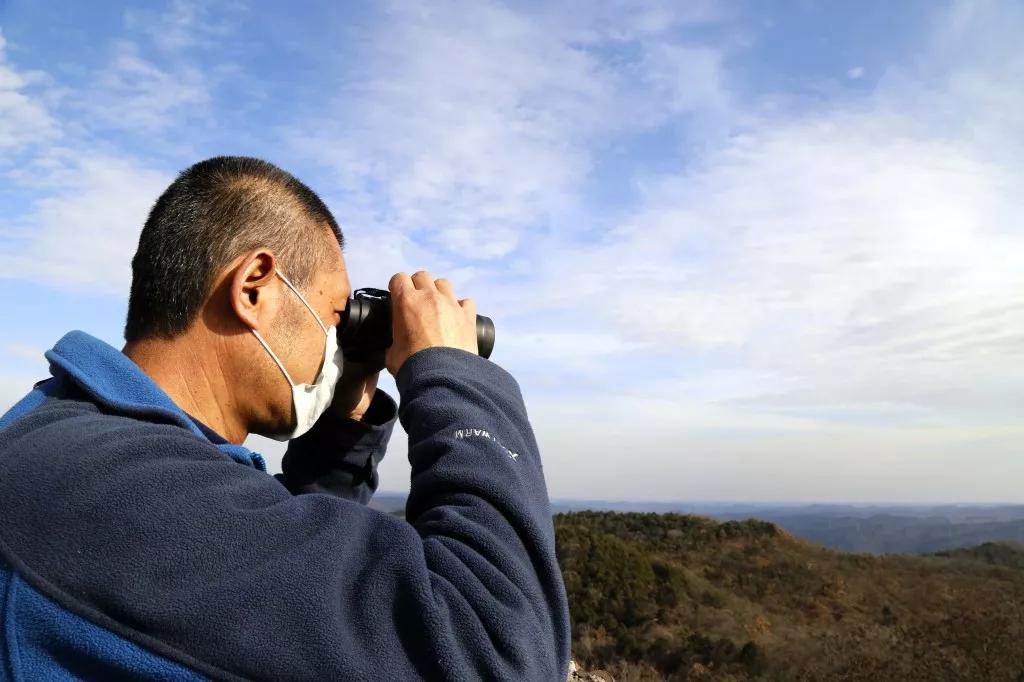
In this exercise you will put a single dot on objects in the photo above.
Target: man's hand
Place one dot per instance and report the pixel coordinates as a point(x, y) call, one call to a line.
point(424, 314)
point(356, 386)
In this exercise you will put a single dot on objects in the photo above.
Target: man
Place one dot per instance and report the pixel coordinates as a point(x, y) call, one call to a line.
point(139, 538)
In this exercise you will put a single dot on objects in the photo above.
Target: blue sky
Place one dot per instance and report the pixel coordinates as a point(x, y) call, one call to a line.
point(733, 250)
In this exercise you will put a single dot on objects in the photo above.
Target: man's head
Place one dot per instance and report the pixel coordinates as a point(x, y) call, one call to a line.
point(204, 276)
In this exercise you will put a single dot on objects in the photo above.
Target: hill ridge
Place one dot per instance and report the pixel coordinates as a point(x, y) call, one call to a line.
point(673, 596)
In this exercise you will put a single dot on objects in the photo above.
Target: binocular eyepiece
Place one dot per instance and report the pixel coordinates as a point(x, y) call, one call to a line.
point(365, 327)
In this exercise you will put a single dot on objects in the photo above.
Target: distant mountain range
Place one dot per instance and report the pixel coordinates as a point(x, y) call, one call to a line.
point(902, 531)
point(878, 529)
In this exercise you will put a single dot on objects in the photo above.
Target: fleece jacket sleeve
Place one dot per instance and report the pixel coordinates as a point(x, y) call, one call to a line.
point(154, 534)
point(479, 501)
point(340, 456)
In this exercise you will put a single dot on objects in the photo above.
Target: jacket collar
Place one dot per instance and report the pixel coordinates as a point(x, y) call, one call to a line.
point(114, 381)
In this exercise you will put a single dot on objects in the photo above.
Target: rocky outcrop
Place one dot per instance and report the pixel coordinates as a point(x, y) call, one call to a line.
point(577, 675)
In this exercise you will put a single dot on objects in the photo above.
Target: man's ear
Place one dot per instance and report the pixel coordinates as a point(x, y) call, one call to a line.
point(252, 300)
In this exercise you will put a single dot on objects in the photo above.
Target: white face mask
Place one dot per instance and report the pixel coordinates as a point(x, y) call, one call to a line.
point(310, 400)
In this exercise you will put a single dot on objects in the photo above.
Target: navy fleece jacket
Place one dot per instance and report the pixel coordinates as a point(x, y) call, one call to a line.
point(138, 544)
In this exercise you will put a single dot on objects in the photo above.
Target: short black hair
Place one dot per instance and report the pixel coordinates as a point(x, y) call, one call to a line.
point(213, 212)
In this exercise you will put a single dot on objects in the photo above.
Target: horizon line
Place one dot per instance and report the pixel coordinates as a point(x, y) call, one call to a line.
point(764, 502)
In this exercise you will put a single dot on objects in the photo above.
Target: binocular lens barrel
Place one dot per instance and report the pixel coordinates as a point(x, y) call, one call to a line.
point(366, 326)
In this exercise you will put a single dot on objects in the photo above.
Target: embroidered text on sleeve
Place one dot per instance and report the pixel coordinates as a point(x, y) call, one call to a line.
point(481, 433)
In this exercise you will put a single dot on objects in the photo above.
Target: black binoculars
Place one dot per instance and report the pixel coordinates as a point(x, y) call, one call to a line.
point(365, 327)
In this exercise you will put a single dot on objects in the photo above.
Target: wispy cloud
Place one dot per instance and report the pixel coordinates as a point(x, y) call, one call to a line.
point(133, 93)
point(183, 24)
point(24, 352)
point(85, 195)
point(837, 270)
point(24, 120)
point(854, 248)
point(85, 233)
point(776, 286)
point(476, 125)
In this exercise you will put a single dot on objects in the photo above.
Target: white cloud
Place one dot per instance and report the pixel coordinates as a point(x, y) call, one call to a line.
point(85, 233)
point(859, 262)
point(134, 93)
point(14, 387)
point(649, 447)
point(683, 78)
point(829, 223)
point(623, 21)
point(183, 25)
point(25, 352)
point(826, 304)
point(842, 281)
point(471, 121)
point(474, 126)
point(24, 119)
point(90, 201)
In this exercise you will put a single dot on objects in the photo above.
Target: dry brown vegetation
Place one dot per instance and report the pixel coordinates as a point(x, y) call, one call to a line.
point(675, 597)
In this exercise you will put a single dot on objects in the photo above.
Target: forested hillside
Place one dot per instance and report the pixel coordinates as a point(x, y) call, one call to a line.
point(669, 596)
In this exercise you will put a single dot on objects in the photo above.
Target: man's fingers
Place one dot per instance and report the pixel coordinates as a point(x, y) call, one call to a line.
point(445, 287)
point(421, 319)
point(423, 280)
point(399, 282)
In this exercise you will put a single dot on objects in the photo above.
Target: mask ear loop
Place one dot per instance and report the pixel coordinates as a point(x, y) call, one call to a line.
point(304, 302)
point(274, 355)
point(312, 312)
